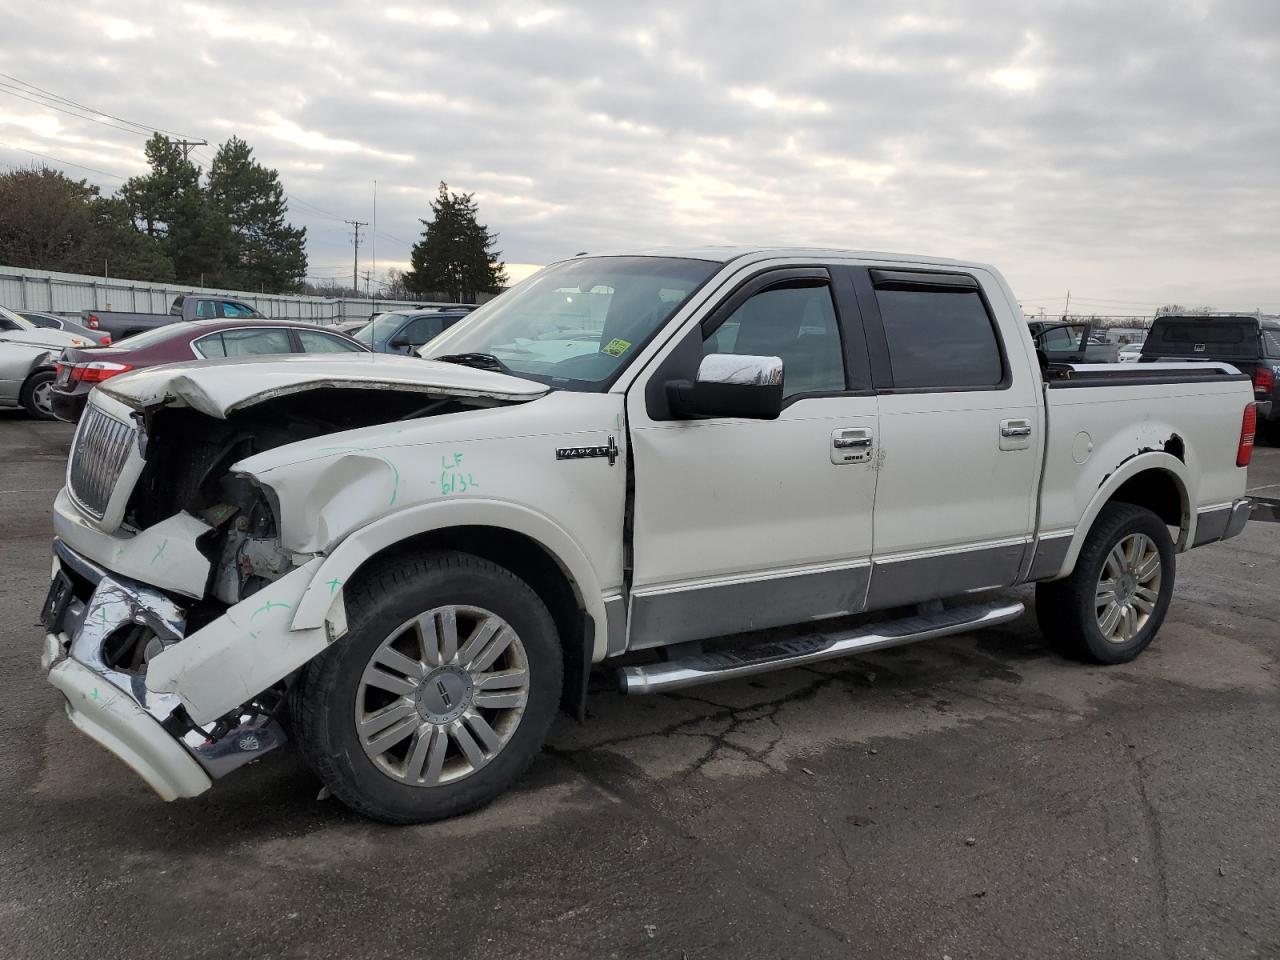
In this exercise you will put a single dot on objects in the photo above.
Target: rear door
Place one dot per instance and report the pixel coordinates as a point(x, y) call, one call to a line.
point(742, 524)
point(960, 424)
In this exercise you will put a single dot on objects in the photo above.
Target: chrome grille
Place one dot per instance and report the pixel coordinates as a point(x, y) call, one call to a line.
point(100, 451)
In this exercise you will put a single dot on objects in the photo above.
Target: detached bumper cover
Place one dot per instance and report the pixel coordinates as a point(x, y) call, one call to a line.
point(150, 730)
point(114, 719)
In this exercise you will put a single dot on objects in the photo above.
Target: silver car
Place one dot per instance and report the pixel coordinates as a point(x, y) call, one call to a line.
point(27, 357)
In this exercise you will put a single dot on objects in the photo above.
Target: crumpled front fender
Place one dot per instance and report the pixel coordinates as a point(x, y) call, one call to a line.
point(247, 649)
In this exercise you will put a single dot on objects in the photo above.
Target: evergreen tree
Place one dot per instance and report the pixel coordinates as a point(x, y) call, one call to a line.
point(152, 198)
point(267, 253)
point(456, 254)
point(170, 205)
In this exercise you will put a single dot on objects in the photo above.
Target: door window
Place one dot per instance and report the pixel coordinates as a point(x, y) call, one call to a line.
point(940, 339)
point(255, 342)
point(315, 342)
point(418, 331)
point(206, 309)
point(796, 322)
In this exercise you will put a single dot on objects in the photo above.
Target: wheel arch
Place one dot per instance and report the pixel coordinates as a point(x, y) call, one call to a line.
point(529, 544)
point(1158, 481)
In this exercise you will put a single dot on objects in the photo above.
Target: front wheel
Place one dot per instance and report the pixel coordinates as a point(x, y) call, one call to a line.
point(439, 696)
point(1113, 603)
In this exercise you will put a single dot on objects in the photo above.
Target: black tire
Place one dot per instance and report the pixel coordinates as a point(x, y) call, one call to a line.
point(1270, 430)
point(1067, 609)
point(37, 384)
point(386, 597)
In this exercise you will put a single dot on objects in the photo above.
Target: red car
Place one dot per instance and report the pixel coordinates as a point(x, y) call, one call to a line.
point(81, 369)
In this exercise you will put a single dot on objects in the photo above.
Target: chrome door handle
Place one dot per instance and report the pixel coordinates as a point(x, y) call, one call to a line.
point(1015, 428)
point(851, 445)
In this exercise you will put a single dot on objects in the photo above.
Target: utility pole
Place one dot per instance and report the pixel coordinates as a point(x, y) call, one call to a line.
point(355, 253)
point(187, 145)
point(368, 284)
point(1066, 311)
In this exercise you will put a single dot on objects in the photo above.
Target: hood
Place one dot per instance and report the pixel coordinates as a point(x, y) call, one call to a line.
point(218, 388)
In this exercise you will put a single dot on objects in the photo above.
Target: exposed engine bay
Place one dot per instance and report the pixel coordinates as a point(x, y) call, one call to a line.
point(189, 456)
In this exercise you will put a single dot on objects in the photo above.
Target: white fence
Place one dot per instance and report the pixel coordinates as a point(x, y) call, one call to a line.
point(66, 294)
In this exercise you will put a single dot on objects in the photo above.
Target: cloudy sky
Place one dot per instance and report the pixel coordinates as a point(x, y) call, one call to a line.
point(1125, 150)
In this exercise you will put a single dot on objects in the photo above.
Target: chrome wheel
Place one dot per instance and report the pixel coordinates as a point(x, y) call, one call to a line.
point(442, 695)
point(42, 397)
point(1128, 588)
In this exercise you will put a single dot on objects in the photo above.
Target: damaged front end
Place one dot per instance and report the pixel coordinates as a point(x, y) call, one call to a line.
point(169, 620)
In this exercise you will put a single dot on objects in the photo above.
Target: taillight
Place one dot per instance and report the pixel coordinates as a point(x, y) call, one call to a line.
point(1248, 430)
point(105, 340)
point(91, 321)
point(97, 371)
point(1264, 379)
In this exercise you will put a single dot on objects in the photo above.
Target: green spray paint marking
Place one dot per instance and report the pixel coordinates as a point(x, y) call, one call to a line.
point(452, 479)
point(395, 474)
point(102, 615)
point(160, 550)
point(269, 605)
point(95, 693)
point(334, 584)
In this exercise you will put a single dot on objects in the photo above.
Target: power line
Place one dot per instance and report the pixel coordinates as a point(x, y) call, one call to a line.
point(75, 103)
point(4, 88)
point(294, 198)
point(81, 166)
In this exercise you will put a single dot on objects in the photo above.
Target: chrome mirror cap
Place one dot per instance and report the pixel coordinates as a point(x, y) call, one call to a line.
point(740, 369)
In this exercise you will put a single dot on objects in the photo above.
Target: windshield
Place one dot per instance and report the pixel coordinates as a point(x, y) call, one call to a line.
point(21, 322)
point(576, 324)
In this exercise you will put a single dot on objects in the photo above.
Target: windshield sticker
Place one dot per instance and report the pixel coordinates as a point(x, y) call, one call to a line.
point(617, 347)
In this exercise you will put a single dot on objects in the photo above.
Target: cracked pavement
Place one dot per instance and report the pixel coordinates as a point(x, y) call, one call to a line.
point(974, 796)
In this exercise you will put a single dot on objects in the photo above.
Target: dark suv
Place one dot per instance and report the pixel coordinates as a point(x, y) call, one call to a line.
point(1251, 344)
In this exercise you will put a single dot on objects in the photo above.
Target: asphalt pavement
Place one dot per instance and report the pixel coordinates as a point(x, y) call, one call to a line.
point(973, 797)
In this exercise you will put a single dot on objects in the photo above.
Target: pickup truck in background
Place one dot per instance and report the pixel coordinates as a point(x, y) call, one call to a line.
point(768, 458)
point(1250, 344)
point(190, 306)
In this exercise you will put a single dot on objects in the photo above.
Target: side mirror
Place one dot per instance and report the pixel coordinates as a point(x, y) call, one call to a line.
point(399, 344)
point(730, 385)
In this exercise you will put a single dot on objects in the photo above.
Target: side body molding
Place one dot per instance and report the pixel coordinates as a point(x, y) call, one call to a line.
point(389, 530)
point(1128, 469)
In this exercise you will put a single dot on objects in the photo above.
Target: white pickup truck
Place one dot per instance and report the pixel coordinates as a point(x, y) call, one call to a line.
point(715, 462)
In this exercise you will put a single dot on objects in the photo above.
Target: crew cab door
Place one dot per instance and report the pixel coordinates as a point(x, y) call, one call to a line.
point(742, 524)
point(960, 433)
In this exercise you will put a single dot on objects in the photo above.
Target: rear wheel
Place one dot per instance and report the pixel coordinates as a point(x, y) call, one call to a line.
point(1116, 598)
point(439, 696)
point(37, 395)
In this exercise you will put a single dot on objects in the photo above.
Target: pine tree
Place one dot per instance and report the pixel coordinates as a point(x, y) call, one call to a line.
point(268, 253)
point(456, 254)
point(170, 205)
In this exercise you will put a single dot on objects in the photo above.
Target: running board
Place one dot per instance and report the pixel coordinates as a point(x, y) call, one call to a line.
point(810, 648)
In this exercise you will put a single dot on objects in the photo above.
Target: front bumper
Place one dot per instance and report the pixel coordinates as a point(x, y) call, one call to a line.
point(151, 731)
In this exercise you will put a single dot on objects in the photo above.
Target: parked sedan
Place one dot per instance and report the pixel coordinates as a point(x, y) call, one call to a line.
point(1130, 352)
point(404, 331)
point(27, 355)
point(53, 322)
point(79, 371)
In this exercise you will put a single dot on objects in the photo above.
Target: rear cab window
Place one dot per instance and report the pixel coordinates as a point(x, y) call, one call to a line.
point(939, 332)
